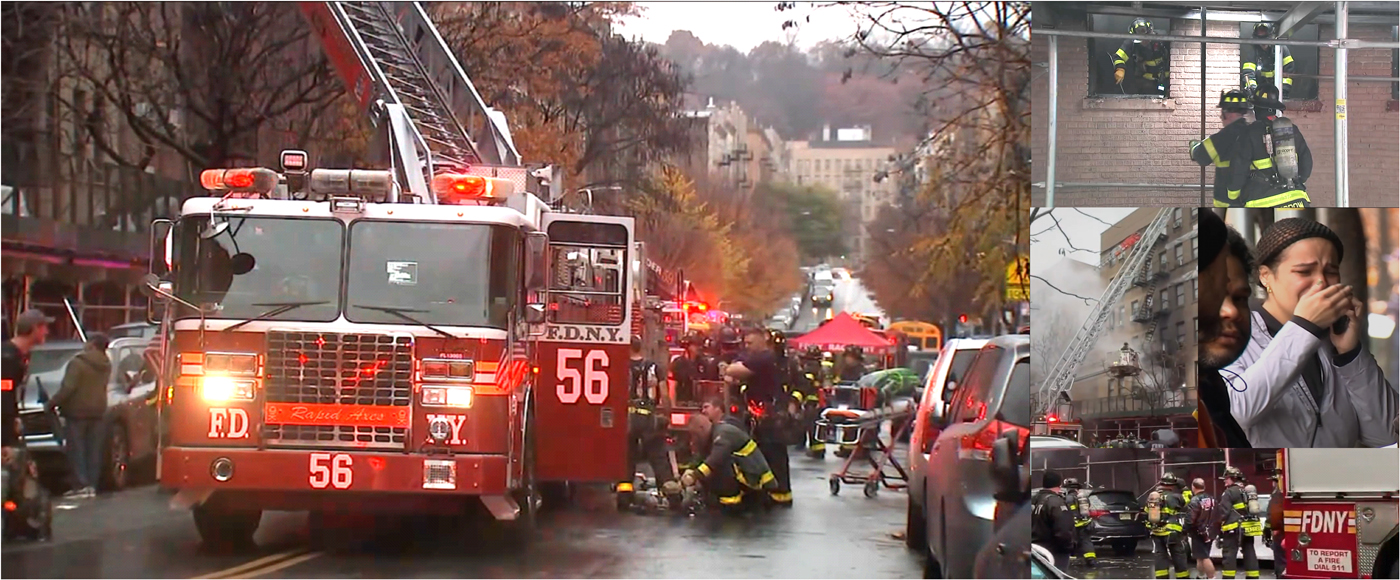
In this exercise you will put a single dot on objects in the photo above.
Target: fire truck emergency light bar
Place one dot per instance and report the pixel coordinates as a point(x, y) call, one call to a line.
point(458, 188)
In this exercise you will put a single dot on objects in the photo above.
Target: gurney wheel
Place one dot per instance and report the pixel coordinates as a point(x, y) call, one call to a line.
point(835, 485)
point(872, 488)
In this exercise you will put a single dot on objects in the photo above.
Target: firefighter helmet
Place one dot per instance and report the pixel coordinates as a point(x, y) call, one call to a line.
point(728, 336)
point(693, 338)
point(1235, 100)
point(1233, 473)
point(813, 352)
point(1263, 30)
point(854, 350)
point(1170, 479)
point(1141, 26)
point(1072, 483)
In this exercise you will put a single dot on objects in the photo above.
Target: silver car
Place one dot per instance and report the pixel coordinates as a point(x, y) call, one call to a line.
point(942, 377)
point(131, 413)
point(959, 502)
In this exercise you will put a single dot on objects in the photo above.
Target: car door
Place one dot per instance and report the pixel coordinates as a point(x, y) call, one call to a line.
point(947, 458)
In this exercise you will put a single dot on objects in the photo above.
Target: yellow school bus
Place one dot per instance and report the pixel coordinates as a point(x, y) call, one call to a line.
point(922, 335)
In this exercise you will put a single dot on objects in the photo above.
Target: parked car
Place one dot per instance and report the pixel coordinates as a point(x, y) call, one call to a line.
point(131, 421)
point(1116, 519)
point(1048, 442)
point(1043, 564)
point(939, 386)
point(958, 492)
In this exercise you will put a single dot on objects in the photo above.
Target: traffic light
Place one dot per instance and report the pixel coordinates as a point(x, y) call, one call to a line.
point(962, 319)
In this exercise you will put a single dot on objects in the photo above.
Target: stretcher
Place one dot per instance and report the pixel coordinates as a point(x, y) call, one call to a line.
point(861, 428)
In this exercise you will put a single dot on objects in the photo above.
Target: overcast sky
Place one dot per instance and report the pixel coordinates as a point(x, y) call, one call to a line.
point(1080, 230)
point(742, 25)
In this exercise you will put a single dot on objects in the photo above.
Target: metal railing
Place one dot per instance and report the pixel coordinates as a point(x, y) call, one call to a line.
point(106, 197)
point(1341, 44)
point(1170, 403)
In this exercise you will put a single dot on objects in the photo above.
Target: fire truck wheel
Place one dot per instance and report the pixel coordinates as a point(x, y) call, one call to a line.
point(223, 527)
point(522, 530)
point(116, 471)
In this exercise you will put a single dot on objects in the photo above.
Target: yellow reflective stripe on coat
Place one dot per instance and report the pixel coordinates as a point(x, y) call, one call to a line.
point(1183, 574)
point(1219, 203)
point(1088, 555)
point(1163, 573)
point(818, 446)
point(1251, 574)
point(746, 449)
point(1265, 163)
point(765, 478)
point(1239, 506)
point(1287, 80)
point(1214, 156)
point(1081, 523)
point(780, 496)
point(1228, 527)
point(1247, 66)
point(1232, 194)
point(639, 410)
point(1287, 60)
point(704, 470)
point(731, 500)
point(1296, 196)
point(1122, 58)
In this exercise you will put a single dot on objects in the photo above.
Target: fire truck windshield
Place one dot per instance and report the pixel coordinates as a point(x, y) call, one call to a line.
point(444, 274)
point(257, 260)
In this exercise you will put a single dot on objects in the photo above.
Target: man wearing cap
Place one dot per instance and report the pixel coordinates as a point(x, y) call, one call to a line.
point(1052, 523)
point(1220, 148)
point(82, 401)
point(31, 330)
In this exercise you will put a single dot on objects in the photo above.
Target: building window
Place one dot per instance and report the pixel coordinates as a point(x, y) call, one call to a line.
point(1194, 255)
point(1180, 334)
point(1135, 308)
point(1102, 52)
point(1121, 315)
point(1194, 297)
point(1179, 260)
point(1305, 59)
point(1165, 302)
point(1180, 294)
point(1163, 258)
point(1176, 217)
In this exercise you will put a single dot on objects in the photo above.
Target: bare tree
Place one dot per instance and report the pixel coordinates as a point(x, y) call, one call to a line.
point(199, 79)
point(1163, 377)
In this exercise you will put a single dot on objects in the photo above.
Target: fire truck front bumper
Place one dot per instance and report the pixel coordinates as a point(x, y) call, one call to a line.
point(341, 472)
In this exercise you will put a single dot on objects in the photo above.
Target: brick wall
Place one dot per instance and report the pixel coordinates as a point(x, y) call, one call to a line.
point(1144, 140)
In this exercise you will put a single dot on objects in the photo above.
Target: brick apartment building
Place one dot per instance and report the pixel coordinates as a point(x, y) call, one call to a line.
point(1114, 138)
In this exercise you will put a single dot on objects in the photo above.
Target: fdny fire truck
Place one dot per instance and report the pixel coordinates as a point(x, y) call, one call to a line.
point(407, 339)
point(1340, 511)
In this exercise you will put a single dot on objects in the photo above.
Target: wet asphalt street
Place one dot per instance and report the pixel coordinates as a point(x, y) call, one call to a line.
point(136, 534)
point(1137, 566)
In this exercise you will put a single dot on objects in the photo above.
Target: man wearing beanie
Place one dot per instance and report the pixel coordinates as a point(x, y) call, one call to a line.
point(1052, 525)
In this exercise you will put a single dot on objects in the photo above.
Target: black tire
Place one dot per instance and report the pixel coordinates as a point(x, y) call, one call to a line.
point(932, 569)
point(872, 488)
point(116, 465)
point(223, 527)
point(835, 483)
point(915, 527)
point(1125, 548)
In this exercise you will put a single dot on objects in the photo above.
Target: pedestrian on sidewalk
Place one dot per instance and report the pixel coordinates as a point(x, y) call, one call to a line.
point(82, 402)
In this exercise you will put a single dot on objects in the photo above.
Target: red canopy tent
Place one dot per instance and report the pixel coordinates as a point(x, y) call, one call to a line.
point(842, 331)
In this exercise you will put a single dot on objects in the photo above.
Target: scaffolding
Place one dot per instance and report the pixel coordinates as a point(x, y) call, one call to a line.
point(1295, 18)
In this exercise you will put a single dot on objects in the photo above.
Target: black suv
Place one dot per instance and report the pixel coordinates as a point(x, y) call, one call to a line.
point(1116, 519)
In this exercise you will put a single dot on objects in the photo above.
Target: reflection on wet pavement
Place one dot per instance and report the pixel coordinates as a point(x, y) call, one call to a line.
point(1137, 566)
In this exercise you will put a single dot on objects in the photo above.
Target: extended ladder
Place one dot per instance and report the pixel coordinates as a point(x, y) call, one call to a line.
point(1061, 375)
point(390, 52)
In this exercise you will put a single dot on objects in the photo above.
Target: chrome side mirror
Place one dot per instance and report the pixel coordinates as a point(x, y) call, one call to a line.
point(534, 313)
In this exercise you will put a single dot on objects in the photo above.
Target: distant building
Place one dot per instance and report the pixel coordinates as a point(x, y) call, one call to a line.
point(1157, 319)
point(846, 161)
point(730, 147)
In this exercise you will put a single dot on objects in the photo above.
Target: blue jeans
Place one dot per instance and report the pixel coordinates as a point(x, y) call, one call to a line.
point(85, 450)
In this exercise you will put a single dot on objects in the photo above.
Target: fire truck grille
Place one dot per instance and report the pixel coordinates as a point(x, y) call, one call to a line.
point(334, 436)
point(339, 369)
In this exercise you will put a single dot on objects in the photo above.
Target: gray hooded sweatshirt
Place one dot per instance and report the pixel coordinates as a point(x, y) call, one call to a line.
point(1270, 398)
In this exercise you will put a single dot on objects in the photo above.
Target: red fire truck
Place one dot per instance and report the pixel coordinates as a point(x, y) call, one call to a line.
point(1340, 512)
point(411, 339)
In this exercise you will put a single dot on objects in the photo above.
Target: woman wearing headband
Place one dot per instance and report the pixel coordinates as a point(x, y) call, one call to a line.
point(1305, 378)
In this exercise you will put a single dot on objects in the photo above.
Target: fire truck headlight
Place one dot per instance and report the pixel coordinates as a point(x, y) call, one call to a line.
point(442, 396)
point(231, 364)
point(222, 389)
point(1367, 514)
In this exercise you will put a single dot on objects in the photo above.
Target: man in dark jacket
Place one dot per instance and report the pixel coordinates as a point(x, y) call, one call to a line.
point(31, 330)
point(1222, 340)
point(1201, 523)
point(1052, 524)
point(1271, 176)
point(82, 401)
point(1220, 148)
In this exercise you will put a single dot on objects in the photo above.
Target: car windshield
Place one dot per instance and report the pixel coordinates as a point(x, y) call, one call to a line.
point(444, 274)
point(1113, 499)
point(43, 360)
point(256, 263)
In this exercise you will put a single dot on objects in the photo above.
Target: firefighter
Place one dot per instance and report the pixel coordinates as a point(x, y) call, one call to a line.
point(1166, 511)
point(1220, 148)
point(708, 362)
point(733, 462)
point(1080, 511)
point(1275, 161)
point(852, 366)
point(685, 369)
point(761, 376)
point(1140, 66)
point(729, 345)
point(1261, 62)
point(1052, 524)
point(1239, 506)
point(647, 439)
point(811, 378)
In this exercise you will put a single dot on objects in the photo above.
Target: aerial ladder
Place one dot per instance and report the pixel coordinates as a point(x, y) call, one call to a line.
point(400, 70)
point(1061, 376)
